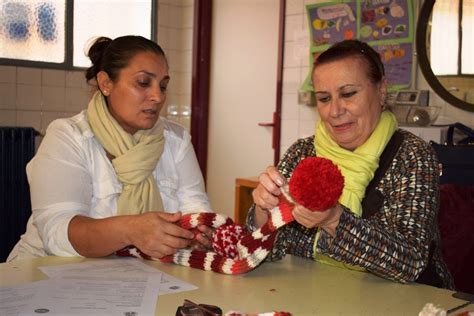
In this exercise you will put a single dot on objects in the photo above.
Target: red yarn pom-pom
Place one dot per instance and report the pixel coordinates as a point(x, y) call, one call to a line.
point(316, 183)
point(225, 239)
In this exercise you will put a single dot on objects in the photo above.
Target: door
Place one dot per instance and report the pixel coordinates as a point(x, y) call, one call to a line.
point(244, 59)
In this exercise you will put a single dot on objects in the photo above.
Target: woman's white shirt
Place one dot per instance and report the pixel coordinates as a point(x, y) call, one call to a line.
point(71, 175)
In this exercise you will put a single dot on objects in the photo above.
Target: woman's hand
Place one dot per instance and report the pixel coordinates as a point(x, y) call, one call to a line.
point(327, 220)
point(157, 234)
point(203, 238)
point(265, 195)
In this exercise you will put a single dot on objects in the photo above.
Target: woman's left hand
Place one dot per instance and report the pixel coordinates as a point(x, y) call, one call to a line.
point(203, 238)
point(327, 220)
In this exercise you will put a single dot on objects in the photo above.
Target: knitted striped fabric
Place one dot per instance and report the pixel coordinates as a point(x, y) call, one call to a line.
point(254, 247)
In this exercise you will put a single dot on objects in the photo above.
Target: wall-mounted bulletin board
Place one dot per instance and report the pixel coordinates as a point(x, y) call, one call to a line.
point(386, 25)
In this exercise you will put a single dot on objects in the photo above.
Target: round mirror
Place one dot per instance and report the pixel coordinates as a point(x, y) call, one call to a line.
point(423, 45)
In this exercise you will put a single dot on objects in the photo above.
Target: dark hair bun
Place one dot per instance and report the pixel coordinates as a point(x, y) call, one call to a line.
point(95, 54)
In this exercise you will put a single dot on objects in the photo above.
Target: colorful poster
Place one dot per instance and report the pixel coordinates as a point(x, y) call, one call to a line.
point(386, 25)
point(384, 20)
point(331, 23)
point(397, 60)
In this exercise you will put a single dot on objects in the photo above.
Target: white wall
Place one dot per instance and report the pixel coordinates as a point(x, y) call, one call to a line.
point(298, 121)
point(175, 36)
point(244, 53)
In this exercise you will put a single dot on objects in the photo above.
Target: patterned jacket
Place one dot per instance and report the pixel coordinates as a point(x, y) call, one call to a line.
point(397, 236)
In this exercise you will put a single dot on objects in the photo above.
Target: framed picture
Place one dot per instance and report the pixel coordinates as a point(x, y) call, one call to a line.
point(408, 97)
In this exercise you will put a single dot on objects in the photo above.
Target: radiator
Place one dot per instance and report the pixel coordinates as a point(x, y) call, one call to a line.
point(17, 147)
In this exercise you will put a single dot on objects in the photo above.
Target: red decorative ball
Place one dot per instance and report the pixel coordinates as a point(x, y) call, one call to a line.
point(225, 239)
point(316, 183)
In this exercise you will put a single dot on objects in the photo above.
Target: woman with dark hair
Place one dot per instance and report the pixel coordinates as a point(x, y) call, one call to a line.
point(116, 174)
point(385, 222)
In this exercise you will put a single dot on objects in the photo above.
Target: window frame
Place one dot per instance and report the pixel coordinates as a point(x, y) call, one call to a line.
point(424, 62)
point(69, 43)
point(460, 34)
point(459, 55)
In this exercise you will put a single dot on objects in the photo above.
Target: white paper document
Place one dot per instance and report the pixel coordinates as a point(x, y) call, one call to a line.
point(13, 299)
point(96, 294)
point(112, 265)
point(99, 287)
point(168, 284)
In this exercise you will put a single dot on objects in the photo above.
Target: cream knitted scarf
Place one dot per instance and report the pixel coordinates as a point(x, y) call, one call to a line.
point(136, 156)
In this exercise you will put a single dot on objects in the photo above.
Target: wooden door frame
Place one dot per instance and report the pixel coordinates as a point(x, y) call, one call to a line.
point(279, 83)
point(202, 28)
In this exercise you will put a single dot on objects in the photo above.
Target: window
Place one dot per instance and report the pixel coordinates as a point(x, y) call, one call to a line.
point(452, 35)
point(57, 33)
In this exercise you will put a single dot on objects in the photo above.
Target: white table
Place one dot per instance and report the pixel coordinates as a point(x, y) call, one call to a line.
point(299, 286)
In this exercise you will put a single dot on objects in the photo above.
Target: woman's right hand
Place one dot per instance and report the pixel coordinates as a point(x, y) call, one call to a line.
point(157, 233)
point(265, 195)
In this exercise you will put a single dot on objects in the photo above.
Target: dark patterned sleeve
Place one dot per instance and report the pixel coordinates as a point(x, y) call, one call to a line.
point(395, 242)
point(301, 149)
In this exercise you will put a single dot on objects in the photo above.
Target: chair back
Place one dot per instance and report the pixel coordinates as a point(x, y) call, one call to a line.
point(456, 226)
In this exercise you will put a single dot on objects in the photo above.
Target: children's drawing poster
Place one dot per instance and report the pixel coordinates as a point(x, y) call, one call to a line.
point(386, 25)
point(332, 23)
point(397, 60)
point(384, 20)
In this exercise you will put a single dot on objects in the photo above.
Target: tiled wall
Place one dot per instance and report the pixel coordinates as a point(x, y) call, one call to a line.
point(175, 36)
point(299, 120)
point(34, 96)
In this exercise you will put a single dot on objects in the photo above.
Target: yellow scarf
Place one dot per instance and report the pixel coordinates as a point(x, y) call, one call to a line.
point(136, 156)
point(357, 167)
